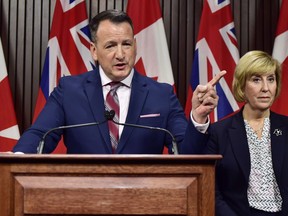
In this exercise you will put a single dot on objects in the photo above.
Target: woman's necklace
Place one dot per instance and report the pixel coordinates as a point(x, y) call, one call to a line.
point(255, 120)
point(257, 126)
point(259, 130)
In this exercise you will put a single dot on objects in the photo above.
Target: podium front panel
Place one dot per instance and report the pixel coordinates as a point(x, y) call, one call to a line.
point(107, 185)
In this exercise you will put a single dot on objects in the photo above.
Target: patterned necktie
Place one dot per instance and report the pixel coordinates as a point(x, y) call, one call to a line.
point(112, 103)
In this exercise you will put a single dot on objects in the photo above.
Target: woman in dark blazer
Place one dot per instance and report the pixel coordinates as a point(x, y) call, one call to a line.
point(252, 177)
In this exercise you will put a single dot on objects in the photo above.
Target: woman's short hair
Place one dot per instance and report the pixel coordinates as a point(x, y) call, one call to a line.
point(254, 63)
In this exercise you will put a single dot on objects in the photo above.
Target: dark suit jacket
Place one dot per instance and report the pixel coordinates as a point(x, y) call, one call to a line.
point(79, 99)
point(228, 138)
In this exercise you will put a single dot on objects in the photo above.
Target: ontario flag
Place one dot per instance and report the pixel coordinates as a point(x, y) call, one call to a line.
point(68, 51)
point(216, 50)
point(9, 131)
point(280, 52)
point(152, 58)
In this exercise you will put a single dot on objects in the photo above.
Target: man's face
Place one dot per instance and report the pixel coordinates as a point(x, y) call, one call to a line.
point(115, 49)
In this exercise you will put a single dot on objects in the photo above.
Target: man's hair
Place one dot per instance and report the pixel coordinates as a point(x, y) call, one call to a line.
point(114, 16)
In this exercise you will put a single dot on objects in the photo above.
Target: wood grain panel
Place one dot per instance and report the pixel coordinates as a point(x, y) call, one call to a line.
point(107, 184)
point(143, 195)
point(25, 27)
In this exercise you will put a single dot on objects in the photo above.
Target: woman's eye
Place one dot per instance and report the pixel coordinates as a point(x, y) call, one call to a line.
point(256, 80)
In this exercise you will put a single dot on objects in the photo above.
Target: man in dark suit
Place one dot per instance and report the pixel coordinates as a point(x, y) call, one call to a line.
point(81, 99)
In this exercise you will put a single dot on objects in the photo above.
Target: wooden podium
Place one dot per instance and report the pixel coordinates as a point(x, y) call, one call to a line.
point(107, 185)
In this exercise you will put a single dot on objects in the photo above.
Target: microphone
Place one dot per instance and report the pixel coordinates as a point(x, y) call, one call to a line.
point(109, 115)
point(42, 141)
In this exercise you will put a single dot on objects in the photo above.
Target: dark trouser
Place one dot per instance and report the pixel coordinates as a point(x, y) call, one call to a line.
point(256, 212)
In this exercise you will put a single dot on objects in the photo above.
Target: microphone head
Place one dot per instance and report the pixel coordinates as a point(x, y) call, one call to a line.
point(109, 115)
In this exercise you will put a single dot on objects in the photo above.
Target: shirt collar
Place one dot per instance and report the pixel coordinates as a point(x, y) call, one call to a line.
point(105, 80)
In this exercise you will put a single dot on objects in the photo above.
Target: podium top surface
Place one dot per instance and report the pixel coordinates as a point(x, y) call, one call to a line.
point(23, 158)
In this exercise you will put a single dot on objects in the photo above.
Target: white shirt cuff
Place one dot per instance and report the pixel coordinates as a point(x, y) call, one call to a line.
point(202, 128)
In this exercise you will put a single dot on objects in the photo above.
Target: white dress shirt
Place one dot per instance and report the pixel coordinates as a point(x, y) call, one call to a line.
point(123, 92)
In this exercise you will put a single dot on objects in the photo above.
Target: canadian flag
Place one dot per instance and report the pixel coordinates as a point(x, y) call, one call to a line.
point(152, 58)
point(9, 131)
point(280, 52)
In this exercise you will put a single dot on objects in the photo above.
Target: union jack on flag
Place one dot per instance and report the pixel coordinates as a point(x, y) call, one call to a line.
point(68, 50)
point(216, 50)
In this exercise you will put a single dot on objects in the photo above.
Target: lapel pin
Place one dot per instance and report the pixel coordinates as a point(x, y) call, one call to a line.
point(277, 132)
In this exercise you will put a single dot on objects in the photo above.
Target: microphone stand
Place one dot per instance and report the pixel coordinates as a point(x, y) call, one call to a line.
point(42, 141)
point(110, 116)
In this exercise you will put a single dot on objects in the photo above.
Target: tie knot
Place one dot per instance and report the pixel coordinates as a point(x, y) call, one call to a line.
point(114, 85)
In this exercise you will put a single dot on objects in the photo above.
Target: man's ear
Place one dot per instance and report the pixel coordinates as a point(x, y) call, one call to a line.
point(93, 51)
point(135, 43)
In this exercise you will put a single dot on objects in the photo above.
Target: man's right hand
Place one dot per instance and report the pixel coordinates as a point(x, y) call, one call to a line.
point(205, 99)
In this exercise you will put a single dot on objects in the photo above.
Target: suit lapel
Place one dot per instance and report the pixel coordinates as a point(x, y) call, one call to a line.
point(237, 134)
point(94, 92)
point(240, 147)
point(278, 142)
point(139, 93)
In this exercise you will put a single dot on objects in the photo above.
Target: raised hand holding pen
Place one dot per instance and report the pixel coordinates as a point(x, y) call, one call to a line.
point(205, 99)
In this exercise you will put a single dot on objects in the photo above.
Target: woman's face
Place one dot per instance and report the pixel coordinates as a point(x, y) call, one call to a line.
point(260, 91)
